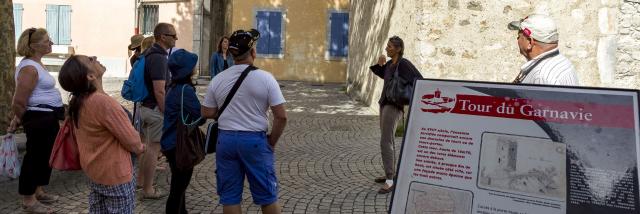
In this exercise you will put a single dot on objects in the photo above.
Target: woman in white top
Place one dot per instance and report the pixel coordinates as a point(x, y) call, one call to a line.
point(37, 106)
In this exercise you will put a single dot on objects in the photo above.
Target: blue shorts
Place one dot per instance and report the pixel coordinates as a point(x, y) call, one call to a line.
point(241, 153)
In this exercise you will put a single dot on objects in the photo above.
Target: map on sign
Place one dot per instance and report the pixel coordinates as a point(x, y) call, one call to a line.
point(430, 199)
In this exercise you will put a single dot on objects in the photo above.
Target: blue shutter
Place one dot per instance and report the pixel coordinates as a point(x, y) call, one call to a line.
point(17, 20)
point(262, 20)
point(339, 35)
point(275, 32)
point(52, 22)
point(64, 25)
point(335, 42)
point(345, 35)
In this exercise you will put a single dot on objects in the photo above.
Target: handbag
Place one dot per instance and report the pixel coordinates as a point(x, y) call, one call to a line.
point(65, 155)
point(189, 140)
point(398, 90)
point(9, 162)
point(212, 129)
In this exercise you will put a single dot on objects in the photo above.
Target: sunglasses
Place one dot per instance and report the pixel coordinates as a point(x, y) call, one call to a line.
point(174, 36)
point(31, 31)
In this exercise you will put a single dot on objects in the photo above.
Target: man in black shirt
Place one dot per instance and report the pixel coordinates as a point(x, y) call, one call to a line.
point(151, 111)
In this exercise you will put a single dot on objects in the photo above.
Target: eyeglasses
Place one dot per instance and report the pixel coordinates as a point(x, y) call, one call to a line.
point(174, 36)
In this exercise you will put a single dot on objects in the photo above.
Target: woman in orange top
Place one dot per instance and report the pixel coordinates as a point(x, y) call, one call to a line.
point(105, 136)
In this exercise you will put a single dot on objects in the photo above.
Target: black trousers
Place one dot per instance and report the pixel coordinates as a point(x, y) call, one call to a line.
point(179, 182)
point(41, 129)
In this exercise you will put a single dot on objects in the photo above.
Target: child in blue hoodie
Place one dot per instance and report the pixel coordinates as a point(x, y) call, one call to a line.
point(181, 64)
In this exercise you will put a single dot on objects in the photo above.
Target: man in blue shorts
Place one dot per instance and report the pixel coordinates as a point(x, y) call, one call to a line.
point(244, 147)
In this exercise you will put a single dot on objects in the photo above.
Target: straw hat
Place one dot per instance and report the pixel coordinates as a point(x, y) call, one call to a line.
point(136, 41)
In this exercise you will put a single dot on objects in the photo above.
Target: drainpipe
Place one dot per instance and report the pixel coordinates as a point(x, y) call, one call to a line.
point(136, 8)
point(200, 72)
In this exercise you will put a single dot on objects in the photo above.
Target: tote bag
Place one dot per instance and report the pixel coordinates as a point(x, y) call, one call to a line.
point(65, 155)
point(398, 90)
point(189, 140)
point(9, 162)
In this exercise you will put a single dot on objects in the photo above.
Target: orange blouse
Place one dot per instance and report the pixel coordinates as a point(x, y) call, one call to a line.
point(106, 139)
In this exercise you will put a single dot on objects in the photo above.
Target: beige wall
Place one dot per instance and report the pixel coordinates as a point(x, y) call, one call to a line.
point(305, 38)
point(95, 30)
point(468, 39)
point(103, 28)
point(181, 16)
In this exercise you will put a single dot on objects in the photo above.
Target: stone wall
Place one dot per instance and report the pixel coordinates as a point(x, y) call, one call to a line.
point(628, 45)
point(469, 39)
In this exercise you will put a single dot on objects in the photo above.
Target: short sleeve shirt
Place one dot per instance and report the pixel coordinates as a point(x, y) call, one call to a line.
point(248, 108)
point(556, 70)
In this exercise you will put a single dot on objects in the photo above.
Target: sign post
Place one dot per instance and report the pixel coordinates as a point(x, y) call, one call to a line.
point(490, 148)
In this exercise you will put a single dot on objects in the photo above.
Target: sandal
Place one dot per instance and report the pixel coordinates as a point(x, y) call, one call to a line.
point(37, 208)
point(384, 190)
point(157, 194)
point(47, 198)
point(381, 179)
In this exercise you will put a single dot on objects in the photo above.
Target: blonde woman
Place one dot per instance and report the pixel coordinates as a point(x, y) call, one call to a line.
point(37, 106)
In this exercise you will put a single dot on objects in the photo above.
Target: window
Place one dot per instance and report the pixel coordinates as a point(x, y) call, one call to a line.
point(59, 24)
point(269, 23)
point(149, 18)
point(17, 20)
point(338, 35)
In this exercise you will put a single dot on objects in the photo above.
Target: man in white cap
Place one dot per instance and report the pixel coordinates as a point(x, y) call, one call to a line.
point(538, 42)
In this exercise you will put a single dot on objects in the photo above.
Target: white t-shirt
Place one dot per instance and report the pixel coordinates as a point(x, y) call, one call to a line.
point(248, 108)
point(556, 70)
point(45, 91)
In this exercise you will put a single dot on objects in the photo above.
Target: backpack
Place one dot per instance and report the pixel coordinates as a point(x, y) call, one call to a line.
point(134, 88)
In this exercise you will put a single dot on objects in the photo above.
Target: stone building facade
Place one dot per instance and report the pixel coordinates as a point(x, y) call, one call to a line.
point(469, 39)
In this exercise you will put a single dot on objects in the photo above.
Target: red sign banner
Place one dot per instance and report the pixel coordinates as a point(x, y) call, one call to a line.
point(596, 114)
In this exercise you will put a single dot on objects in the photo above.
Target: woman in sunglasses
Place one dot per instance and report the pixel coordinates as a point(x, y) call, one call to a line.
point(37, 106)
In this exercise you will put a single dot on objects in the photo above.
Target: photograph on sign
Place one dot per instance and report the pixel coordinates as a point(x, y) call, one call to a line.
point(525, 165)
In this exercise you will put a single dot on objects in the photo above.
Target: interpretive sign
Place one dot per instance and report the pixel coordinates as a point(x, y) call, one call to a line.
point(488, 148)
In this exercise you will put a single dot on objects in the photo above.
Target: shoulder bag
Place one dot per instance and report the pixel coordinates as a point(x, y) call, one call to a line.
point(398, 90)
point(189, 140)
point(212, 129)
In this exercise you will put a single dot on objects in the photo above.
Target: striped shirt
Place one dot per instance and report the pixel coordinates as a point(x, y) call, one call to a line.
point(556, 70)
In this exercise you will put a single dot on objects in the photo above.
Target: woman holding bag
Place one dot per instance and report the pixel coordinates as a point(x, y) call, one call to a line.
point(391, 112)
point(181, 106)
point(104, 134)
point(37, 106)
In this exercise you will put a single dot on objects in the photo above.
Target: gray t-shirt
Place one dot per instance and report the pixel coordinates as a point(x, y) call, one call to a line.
point(248, 109)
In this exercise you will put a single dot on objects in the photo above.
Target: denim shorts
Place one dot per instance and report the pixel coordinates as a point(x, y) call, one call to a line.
point(240, 154)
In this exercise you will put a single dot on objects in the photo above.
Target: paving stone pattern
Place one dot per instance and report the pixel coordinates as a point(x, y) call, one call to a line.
point(326, 162)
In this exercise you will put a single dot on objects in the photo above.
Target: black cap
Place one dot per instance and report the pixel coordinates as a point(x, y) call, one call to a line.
point(242, 41)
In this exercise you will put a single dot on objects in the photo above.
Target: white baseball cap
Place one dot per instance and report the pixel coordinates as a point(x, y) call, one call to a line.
point(537, 26)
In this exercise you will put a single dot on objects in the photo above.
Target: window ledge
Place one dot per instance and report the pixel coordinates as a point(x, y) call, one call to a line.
point(271, 56)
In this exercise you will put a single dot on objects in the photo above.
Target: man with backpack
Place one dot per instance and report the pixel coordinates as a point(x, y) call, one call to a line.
point(152, 106)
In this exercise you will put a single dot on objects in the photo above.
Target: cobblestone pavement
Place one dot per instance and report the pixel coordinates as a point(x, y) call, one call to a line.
point(326, 161)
